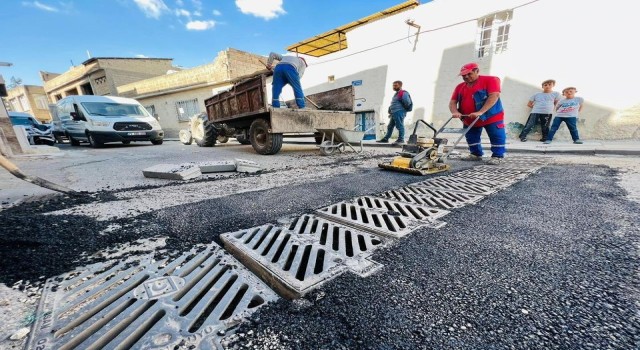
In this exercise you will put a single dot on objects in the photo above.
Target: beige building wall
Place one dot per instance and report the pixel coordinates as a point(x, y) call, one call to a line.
point(103, 76)
point(175, 97)
point(29, 99)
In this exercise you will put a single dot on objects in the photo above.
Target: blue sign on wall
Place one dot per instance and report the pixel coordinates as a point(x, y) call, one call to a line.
point(356, 82)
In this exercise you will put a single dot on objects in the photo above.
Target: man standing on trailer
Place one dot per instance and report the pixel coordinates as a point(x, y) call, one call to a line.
point(289, 70)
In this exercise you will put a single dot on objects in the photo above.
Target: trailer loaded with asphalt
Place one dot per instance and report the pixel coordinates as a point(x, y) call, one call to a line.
point(244, 112)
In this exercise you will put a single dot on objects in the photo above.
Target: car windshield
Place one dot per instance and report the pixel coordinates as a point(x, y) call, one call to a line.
point(112, 109)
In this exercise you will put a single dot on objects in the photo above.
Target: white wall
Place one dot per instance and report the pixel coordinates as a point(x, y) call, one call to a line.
point(589, 45)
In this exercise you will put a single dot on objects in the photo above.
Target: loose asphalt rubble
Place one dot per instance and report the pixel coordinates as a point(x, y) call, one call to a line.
point(549, 262)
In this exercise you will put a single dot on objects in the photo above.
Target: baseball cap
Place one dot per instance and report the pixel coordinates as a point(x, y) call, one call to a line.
point(467, 68)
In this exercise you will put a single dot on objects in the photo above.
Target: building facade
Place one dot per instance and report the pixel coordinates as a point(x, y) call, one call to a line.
point(102, 76)
point(174, 98)
point(523, 42)
point(29, 99)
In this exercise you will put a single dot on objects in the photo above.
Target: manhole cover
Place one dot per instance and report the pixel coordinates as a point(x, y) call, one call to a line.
point(432, 197)
point(147, 304)
point(292, 264)
point(459, 185)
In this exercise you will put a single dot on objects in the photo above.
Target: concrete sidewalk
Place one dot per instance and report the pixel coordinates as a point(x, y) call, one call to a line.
point(599, 147)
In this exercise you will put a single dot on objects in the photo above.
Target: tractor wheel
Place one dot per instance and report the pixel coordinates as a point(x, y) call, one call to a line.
point(262, 140)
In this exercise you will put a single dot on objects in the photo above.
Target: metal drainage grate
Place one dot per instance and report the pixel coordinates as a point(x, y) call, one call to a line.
point(432, 197)
point(531, 163)
point(415, 211)
point(382, 221)
point(292, 264)
point(502, 177)
point(353, 245)
point(459, 185)
point(147, 304)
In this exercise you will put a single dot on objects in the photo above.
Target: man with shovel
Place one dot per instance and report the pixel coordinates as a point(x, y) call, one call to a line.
point(289, 70)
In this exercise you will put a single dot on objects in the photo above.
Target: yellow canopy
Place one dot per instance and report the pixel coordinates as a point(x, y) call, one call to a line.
point(336, 39)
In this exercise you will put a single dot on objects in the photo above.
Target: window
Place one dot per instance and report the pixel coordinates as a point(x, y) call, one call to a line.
point(152, 110)
point(41, 101)
point(493, 33)
point(24, 101)
point(186, 109)
point(58, 97)
point(15, 105)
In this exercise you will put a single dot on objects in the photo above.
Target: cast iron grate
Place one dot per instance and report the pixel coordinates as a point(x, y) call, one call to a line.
point(492, 176)
point(423, 213)
point(432, 197)
point(354, 245)
point(378, 220)
point(292, 264)
point(459, 185)
point(141, 303)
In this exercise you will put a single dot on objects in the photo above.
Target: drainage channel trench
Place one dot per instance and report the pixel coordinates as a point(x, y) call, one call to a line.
point(198, 298)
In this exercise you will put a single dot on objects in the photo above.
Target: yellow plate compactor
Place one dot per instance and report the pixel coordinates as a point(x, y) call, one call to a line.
point(423, 156)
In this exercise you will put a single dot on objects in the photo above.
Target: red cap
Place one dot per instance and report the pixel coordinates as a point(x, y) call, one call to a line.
point(467, 68)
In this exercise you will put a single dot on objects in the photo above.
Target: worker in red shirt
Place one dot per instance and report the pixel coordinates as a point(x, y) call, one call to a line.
point(479, 97)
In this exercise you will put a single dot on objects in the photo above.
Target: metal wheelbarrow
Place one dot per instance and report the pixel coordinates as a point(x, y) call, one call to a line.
point(339, 139)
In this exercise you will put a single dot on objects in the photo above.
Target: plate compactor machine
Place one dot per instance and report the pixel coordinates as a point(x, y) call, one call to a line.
point(424, 156)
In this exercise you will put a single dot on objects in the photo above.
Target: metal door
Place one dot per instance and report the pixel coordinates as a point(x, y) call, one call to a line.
point(367, 120)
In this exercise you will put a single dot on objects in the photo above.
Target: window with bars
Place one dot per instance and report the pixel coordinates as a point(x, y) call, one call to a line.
point(493, 33)
point(24, 102)
point(152, 110)
point(186, 109)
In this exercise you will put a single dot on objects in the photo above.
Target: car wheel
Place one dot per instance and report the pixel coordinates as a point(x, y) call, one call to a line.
point(156, 142)
point(93, 142)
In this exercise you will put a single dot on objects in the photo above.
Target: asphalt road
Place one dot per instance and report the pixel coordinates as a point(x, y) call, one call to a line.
point(550, 262)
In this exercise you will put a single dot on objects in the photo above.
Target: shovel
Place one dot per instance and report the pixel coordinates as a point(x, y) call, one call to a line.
point(13, 169)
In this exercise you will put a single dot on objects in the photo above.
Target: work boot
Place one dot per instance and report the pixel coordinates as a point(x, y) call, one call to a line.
point(494, 161)
point(471, 157)
point(398, 142)
point(547, 142)
point(578, 142)
point(383, 141)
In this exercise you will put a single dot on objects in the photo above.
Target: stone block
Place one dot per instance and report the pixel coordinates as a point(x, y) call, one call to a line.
point(247, 166)
point(217, 166)
point(173, 171)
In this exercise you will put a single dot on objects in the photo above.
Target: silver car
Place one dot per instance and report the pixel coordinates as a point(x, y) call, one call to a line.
point(38, 133)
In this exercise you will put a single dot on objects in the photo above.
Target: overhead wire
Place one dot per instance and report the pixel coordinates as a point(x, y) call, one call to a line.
point(409, 36)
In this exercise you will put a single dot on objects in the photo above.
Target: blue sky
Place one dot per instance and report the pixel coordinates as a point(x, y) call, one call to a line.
point(50, 34)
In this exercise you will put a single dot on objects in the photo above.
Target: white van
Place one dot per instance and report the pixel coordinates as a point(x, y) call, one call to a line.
point(102, 119)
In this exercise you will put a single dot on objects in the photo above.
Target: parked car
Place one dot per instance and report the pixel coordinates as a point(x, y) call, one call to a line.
point(38, 133)
point(103, 119)
point(58, 130)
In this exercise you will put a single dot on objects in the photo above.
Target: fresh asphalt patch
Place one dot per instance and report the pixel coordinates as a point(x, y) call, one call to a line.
point(35, 246)
point(549, 263)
